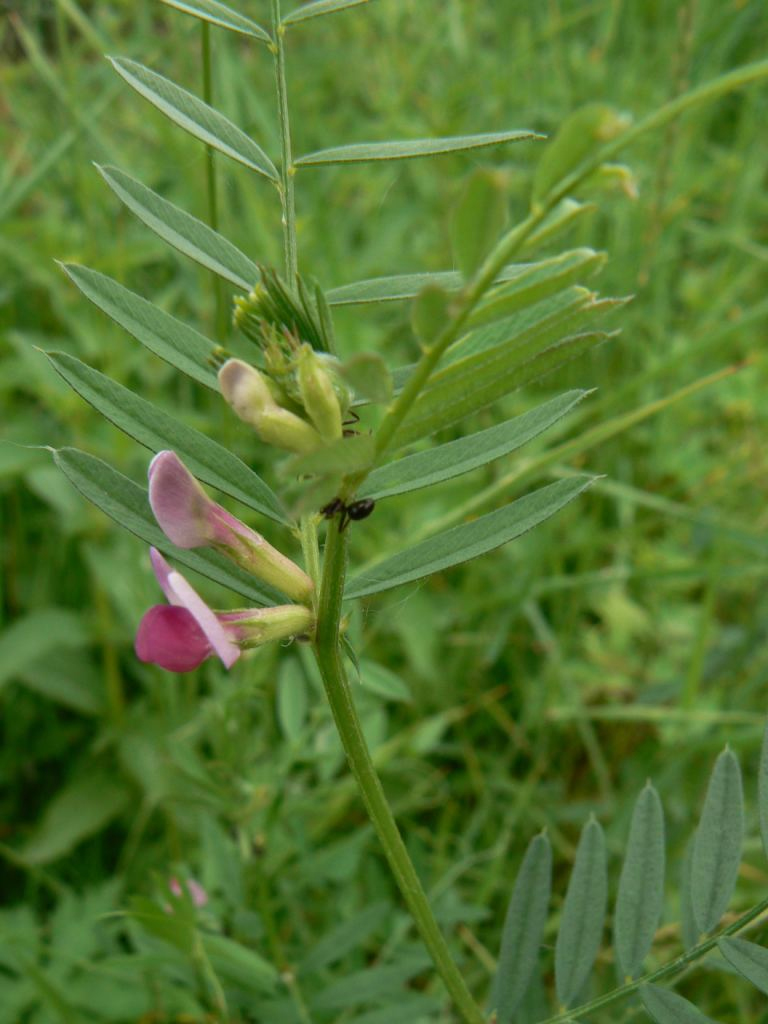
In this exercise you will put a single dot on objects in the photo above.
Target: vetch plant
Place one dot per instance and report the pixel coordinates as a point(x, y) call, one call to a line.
point(352, 431)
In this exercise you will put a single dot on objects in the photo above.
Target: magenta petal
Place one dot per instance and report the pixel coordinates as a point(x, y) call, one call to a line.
point(170, 637)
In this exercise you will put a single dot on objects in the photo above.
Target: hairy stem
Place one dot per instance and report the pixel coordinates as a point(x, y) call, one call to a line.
point(328, 654)
point(675, 966)
point(287, 168)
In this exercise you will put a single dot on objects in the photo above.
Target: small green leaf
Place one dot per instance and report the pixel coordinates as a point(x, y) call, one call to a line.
point(456, 457)
point(749, 959)
point(583, 132)
point(667, 1007)
point(762, 791)
point(80, 808)
point(127, 503)
point(467, 541)
point(218, 14)
point(319, 7)
point(408, 149)
point(291, 698)
point(401, 287)
point(581, 923)
point(523, 929)
point(239, 966)
point(156, 430)
point(161, 333)
point(181, 230)
point(562, 218)
point(479, 219)
point(430, 313)
point(195, 117)
point(717, 845)
point(368, 376)
point(177, 928)
point(347, 455)
point(641, 887)
point(384, 683)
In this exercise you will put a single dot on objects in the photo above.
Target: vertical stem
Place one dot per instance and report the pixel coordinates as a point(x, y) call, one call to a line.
point(345, 715)
point(210, 175)
point(287, 168)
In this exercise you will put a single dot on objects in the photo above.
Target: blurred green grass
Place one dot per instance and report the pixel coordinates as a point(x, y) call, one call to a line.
point(625, 639)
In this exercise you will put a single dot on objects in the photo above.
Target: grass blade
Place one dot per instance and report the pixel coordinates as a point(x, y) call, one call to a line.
point(667, 1007)
point(469, 540)
point(408, 149)
point(156, 430)
point(640, 897)
point(181, 230)
point(161, 333)
point(523, 929)
point(717, 844)
point(407, 286)
point(581, 925)
point(127, 503)
point(456, 457)
point(195, 117)
point(318, 8)
point(749, 959)
point(219, 14)
point(762, 792)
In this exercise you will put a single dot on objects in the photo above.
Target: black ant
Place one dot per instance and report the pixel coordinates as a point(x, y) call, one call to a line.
point(349, 430)
point(356, 510)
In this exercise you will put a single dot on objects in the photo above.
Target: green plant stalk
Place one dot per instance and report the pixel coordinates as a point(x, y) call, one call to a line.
point(511, 243)
point(680, 963)
point(210, 178)
point(347, 722)
point(287, 169)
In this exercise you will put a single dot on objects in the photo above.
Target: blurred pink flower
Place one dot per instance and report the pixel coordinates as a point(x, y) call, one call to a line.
point(188, 887)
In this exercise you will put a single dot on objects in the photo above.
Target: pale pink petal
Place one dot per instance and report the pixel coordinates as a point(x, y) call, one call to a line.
point(170, 637)
point(179, 504)
point(162, 573)
point(192, 887)
point(217, 635)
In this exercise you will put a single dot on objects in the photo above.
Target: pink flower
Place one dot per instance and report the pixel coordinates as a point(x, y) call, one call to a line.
point(189, 518)
point(180, 635)
point(191, 888)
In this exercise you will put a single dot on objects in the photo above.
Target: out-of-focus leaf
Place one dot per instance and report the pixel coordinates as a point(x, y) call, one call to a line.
point(156, 430)
point(479, 218)
point(161, 333)
point(456, 457)
point(195, 117)
point(667, 1007)
point(292, 700)
point(523, 929)
point(180, 229)
point(347, 936)
point(641, 887)
point(762, 792)
point(66, 677)
point(468, 540)
point(127, 503)
point(239, 966)
point(584, 131)
point(383, 682)
point(583, 917)
point(749, 959)
point(368, 376)
point(36, 634)
point(81, 808)
point(400, 287)
point(318, 8)
point(408, 149)
point(219, 14)
point(717, 844)
point(430, 313)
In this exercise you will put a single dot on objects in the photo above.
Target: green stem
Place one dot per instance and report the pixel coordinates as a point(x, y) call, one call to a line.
point(210, 176)
point(345, 715)
point(673, 967)
point(287, 169)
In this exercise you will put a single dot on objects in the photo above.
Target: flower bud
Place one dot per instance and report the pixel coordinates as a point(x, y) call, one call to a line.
point(284, 429)
point(318, 395)
point(245, 389)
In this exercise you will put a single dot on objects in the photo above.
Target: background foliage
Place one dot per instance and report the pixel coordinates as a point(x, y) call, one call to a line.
point(623, 640)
